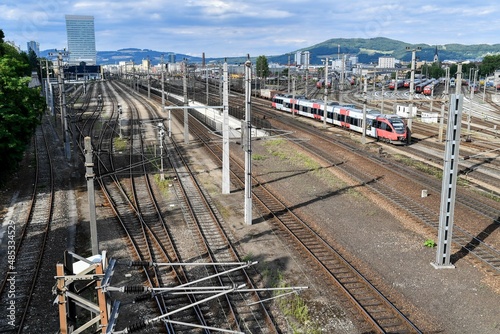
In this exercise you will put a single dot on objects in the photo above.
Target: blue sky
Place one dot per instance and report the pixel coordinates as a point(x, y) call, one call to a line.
point(227, 28)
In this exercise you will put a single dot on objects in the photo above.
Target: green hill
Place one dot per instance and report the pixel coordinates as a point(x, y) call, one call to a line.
point(369, 50)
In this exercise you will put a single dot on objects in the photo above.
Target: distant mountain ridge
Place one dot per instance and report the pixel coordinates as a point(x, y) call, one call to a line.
point(368, 50)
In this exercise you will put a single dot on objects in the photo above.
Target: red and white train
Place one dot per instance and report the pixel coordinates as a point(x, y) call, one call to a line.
point(429, 89)
point(321, 83)
point(396, 84)
point(390, 128)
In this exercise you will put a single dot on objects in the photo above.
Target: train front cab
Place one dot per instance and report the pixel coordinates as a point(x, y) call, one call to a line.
point(390, 129)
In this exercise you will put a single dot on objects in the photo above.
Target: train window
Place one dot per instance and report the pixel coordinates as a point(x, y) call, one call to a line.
point(385, 126)
point(398, 125)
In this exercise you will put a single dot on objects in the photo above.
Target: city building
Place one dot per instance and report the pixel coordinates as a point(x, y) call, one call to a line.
point(81, 39)
point(302, 58)
point(386, 62)
point(13, 44)
point(35, 46)
point(146, 64)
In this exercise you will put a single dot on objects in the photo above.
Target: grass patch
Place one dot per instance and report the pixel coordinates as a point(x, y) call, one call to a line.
point(490, 195)
point(420, 166)
point(248, 258)
point(258, 157)
point(295, 309)
point(119, 144)
point(163, 185)
point(427, 169)
point(430, 243)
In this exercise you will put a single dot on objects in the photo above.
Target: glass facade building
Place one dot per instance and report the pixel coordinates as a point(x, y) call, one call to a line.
point(35, 46)
point(81, 39)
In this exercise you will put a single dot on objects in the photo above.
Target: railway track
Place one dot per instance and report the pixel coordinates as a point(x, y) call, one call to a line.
point(24, 262)
point(155, 240)
point(475, 244)
point(140, 218)
point(204, 219)
point(376, 310)
point(250, 318)
point(469, 242)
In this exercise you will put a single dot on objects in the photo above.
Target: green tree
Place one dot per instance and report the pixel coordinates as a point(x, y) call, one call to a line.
point(433, 70)
point(33, 60)
point(20, 109)
point(262, 67)
point(489, 65)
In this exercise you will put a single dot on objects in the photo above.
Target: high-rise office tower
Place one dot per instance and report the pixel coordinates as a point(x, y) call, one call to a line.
point(35, 46)
point(81, 39)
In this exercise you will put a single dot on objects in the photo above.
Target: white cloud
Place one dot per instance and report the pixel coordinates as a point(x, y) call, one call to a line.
point(225, 27)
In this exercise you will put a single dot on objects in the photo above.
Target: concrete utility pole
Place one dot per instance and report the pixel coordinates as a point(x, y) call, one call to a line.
point(458, 81)
point(363, 136)
point(412, 90)
point(446, 93)
point(206, 83)
point(472, 86)
point(89, 175)
point(306, 60)
point(186, 103)
point(162, 84)
point(48, 93)
point(226, 187)
point(248, 143)
point(288, 90)
point(161, 133)
point(62, 102)
point(149, 80)
point(326, 91)
point(448, 188)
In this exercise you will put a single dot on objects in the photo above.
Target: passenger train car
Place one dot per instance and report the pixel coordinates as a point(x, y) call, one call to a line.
point(390, 128)
point(419, 88)
point(429, 89)
point(321, 83)
point(396, 84)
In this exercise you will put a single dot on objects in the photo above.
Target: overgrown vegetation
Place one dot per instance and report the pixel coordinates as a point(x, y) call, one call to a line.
point(20, 106)
point(491, 195)
point(426, 168)
point(119, 144)
point(258, 157)
point(430, 243)
point(294, 308)
point(163, 185)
